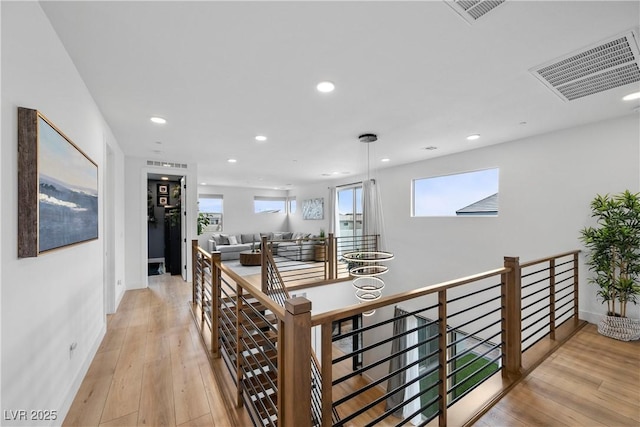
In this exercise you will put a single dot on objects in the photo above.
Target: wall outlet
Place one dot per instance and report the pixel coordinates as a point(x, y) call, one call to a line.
point(72, 347)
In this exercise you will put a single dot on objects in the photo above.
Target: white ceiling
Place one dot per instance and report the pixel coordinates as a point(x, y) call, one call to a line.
point(415, 73)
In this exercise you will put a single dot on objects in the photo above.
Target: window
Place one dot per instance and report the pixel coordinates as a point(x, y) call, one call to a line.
point(470, 360)
point(428, 335)
point(350, 211)
point(211, 206)
point(269, 204)
point(463, 194)
point(292, 205)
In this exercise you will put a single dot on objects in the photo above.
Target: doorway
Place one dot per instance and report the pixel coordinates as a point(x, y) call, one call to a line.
point(165, 224)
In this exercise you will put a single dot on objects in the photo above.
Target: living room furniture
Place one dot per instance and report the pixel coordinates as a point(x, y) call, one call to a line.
point(250, 258)
point(285, 243)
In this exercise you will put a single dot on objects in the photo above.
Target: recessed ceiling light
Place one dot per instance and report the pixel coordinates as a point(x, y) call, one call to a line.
point(158, 120)
point(165, 178)
point(203, 183)
point(232, 160)
point(631, 96)
point(261, 138)
point(385, 160)
point(473, 137)
point(325, 87)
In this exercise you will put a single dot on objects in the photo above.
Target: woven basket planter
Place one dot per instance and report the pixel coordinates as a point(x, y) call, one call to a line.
point(620, 328)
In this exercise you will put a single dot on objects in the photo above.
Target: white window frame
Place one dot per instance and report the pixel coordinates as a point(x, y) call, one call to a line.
point(475, 196)
point(282, 211)
point(216, 218)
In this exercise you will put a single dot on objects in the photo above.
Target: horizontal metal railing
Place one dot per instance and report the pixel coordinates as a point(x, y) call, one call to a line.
point(313, 260)
point(467, 330)
point(453, 336)
point(462, 332)
point(549, 296)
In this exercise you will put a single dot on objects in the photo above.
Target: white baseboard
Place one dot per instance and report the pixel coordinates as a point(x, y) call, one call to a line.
point(590, 317)
point(77, 382)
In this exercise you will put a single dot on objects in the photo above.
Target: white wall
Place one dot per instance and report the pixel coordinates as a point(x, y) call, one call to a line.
point(546, 185)
point(238, 214)
point(56, 299)
point(136, 229)
point(319, 190)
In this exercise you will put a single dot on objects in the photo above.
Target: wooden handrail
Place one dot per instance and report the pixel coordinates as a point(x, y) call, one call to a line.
point(295, 323)
point(355, 309)
point(549, 258)
point(254, 292)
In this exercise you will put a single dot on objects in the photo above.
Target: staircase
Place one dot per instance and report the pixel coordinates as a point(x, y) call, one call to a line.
point(246, 325)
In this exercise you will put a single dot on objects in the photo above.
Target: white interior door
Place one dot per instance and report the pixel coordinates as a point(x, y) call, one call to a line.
point(183, 225)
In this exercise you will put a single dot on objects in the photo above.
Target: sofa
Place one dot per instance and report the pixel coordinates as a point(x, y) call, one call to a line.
point(285, 244)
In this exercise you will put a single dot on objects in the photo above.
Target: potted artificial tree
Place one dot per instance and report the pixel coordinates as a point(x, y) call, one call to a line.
point(614, 257)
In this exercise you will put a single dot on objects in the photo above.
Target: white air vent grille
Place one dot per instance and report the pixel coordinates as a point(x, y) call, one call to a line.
point(471, 10)
point(166, 164)
point(605, 66)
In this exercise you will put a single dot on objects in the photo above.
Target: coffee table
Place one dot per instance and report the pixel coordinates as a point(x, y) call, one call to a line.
point(250, 258)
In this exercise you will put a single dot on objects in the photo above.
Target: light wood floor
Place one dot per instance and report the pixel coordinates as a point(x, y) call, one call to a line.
point(151, 369)
point(589, 381)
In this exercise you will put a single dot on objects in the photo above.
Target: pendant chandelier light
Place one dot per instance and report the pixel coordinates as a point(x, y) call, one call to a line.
point(365, 265)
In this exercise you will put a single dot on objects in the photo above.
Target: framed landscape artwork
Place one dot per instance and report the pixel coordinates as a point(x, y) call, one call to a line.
point(313, 209)
point(57, 188)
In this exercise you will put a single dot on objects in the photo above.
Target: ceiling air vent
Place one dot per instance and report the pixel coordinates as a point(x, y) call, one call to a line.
point(471, 10)
point(166, 164)
point(606, 65)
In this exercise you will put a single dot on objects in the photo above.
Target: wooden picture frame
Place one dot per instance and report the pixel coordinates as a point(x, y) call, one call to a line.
point(163, 200)
point(57, 188)
point(163, 189)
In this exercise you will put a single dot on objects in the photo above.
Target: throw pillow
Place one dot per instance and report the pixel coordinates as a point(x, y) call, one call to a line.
point(233, 240)
point(224, 239)
point(277, 236)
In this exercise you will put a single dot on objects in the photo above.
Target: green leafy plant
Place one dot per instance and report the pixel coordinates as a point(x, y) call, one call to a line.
point(614, 249)
point(203, 222)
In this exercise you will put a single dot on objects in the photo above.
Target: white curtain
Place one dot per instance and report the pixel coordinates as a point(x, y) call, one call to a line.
point(373, 220)
point(332, 210)
point(412, 372)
